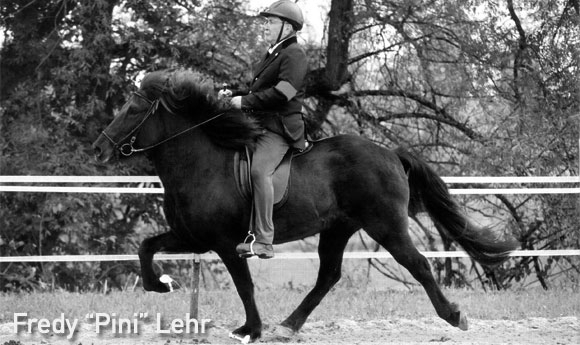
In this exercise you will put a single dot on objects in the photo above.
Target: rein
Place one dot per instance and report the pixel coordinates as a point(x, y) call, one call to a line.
point(127, 149)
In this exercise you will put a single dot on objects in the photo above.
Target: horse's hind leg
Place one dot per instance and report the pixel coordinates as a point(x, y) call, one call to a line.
point(164, 242)
point(395, 238)
point(330, 250)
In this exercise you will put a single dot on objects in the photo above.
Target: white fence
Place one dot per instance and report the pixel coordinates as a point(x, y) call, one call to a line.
point(145, 189)
point(61, 184)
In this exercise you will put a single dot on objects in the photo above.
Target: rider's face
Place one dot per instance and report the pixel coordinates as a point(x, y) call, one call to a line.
point(272, 27)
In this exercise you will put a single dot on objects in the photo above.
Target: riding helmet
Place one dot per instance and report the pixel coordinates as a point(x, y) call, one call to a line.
point(286, 10)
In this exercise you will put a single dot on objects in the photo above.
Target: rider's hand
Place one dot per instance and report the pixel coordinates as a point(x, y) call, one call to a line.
point(224, 93)
point(236, 102)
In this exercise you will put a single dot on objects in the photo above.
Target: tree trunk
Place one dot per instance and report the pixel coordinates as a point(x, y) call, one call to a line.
point(335, 73)
point(339, 34)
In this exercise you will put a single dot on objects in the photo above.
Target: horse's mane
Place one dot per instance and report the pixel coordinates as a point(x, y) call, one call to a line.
point(189, 93)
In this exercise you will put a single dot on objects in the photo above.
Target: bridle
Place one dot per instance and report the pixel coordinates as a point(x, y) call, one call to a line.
point(127, 148)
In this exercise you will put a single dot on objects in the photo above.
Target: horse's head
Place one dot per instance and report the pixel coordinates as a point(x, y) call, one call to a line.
point(122, 135)
point(138, 125)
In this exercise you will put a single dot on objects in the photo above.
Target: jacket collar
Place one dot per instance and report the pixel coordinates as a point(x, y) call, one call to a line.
point(272, 56)
point(284, 43)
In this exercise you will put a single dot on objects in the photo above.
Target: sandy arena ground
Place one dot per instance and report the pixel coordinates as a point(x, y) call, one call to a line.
point(432, 331)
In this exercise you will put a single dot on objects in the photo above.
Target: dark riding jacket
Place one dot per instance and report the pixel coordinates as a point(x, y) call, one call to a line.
point(277, 90)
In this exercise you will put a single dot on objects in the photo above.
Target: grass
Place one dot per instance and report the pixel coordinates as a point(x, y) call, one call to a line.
point(224, 306)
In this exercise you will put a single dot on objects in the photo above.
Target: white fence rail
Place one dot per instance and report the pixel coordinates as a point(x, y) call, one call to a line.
point(146, 186)
point(279, 256)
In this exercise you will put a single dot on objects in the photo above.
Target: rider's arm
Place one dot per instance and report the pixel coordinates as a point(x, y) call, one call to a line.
point(293, 68)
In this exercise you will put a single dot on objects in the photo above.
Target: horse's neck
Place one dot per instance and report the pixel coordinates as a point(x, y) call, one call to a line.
point(191, 158)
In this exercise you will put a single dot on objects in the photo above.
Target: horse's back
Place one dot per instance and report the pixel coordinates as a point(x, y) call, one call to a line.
point(351, 158)
point(340, 179)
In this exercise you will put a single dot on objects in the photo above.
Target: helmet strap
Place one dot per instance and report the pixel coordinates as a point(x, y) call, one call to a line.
point(281, 31)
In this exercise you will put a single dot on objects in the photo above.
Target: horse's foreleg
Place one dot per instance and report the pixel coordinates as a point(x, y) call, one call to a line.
point(164, 242)
point(242, 278)
point(330, 250)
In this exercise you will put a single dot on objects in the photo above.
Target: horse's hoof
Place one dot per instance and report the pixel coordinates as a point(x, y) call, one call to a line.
point(462, 322)
point(156, 287)
point(244, 340)
point(245, 334)
point(169, 283)
point(456, 318)
point(282, 333)
point(162, 284)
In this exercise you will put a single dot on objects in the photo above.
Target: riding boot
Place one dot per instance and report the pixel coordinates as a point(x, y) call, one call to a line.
point(261, 219)
point(263, 228)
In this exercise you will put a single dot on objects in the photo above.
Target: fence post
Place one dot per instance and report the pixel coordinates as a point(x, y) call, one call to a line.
point(194, 304)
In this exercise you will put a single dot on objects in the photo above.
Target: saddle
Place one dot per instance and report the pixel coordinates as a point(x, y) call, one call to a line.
point(280, 180)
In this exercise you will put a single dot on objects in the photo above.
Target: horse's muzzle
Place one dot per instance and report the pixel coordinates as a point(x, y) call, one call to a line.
point(103, 150)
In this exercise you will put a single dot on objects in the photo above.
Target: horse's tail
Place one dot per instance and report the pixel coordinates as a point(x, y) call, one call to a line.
point(428, 192)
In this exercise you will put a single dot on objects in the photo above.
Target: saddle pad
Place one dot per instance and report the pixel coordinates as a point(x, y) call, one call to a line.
point(280, 179)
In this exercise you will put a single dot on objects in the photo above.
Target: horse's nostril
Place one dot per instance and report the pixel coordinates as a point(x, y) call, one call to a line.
point(98, 151)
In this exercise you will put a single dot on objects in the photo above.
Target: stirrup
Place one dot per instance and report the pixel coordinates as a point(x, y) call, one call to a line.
point(253, 237)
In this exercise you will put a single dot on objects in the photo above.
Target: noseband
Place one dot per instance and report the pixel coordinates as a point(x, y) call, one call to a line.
point(127, 148)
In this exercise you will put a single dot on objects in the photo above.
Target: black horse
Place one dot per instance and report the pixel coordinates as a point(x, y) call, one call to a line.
point(343, 184)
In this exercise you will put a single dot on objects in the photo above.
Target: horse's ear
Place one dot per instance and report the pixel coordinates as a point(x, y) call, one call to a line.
point(168, 105)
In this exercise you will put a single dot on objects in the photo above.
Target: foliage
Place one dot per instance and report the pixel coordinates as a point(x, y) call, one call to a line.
point(479, 88)
point(476, 87)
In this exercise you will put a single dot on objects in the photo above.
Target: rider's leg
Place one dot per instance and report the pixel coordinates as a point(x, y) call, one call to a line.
point(268, 153)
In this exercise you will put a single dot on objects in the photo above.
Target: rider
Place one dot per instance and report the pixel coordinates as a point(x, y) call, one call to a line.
point(275, 98)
